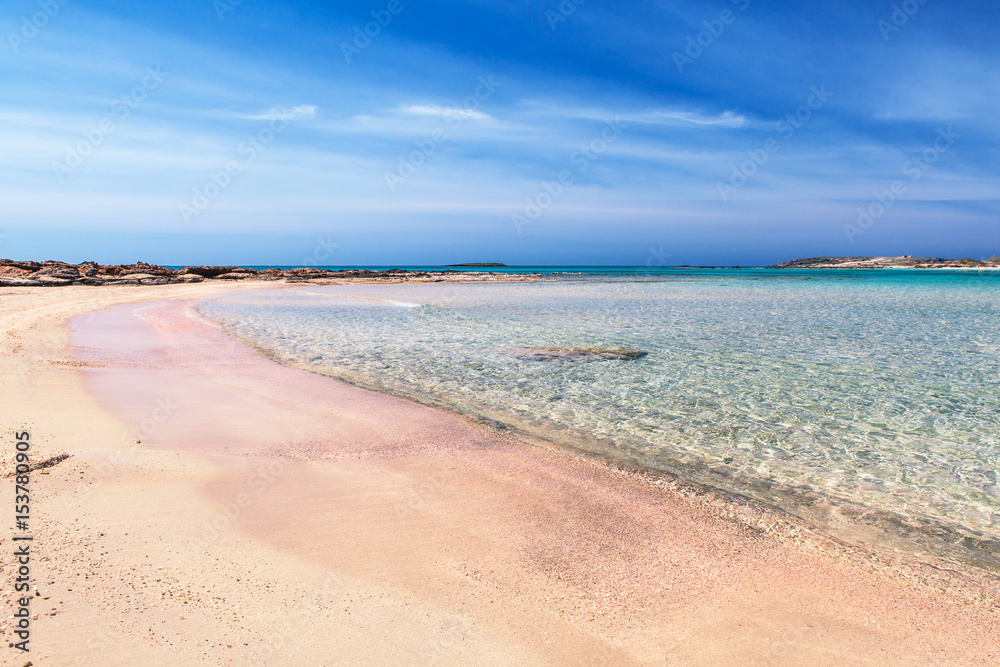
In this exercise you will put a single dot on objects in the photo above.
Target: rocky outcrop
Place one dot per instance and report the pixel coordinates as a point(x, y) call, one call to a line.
point(60, 274)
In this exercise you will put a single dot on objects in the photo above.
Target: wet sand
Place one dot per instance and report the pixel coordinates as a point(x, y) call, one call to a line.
point(269, 512)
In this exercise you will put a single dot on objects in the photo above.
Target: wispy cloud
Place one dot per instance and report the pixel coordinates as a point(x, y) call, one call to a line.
point(435, 110)
point(300, 112)
point(725, 119)
point(665, 117)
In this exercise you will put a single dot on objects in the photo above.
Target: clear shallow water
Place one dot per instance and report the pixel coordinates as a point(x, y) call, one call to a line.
point(879, 388)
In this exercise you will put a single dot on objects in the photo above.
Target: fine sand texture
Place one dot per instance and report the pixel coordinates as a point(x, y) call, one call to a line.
point(218, 508)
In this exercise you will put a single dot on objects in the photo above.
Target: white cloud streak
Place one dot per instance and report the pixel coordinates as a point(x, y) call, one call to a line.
point(435, 110)
point(300, 112)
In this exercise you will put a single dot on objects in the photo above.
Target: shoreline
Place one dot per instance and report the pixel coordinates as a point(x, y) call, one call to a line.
point(881, 534)
point(665, 561)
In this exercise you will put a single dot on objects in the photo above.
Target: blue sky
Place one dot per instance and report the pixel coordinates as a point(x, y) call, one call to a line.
point(737, 132)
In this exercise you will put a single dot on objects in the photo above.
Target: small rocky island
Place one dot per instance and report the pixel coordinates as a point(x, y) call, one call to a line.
point(59, 274)
point(904, 262)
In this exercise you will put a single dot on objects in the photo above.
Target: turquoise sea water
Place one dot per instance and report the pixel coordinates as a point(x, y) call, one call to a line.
point(807, 389)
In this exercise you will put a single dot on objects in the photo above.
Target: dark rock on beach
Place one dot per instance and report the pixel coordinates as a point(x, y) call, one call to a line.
point(208, 271)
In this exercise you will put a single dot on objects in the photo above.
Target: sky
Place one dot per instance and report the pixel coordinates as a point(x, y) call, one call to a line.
point(414, 132)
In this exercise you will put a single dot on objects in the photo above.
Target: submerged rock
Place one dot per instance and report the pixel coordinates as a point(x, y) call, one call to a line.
point(579, 353)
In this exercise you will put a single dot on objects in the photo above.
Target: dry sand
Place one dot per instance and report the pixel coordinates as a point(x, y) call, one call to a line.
point(275, 517)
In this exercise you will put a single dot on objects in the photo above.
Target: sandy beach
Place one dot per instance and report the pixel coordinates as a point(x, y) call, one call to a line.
point(218, 508)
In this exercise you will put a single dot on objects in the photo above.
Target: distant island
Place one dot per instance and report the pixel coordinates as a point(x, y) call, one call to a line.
point(904, 262)
point(494, 264)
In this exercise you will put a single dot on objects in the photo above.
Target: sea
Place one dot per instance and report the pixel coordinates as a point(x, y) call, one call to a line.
point(865, 401)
